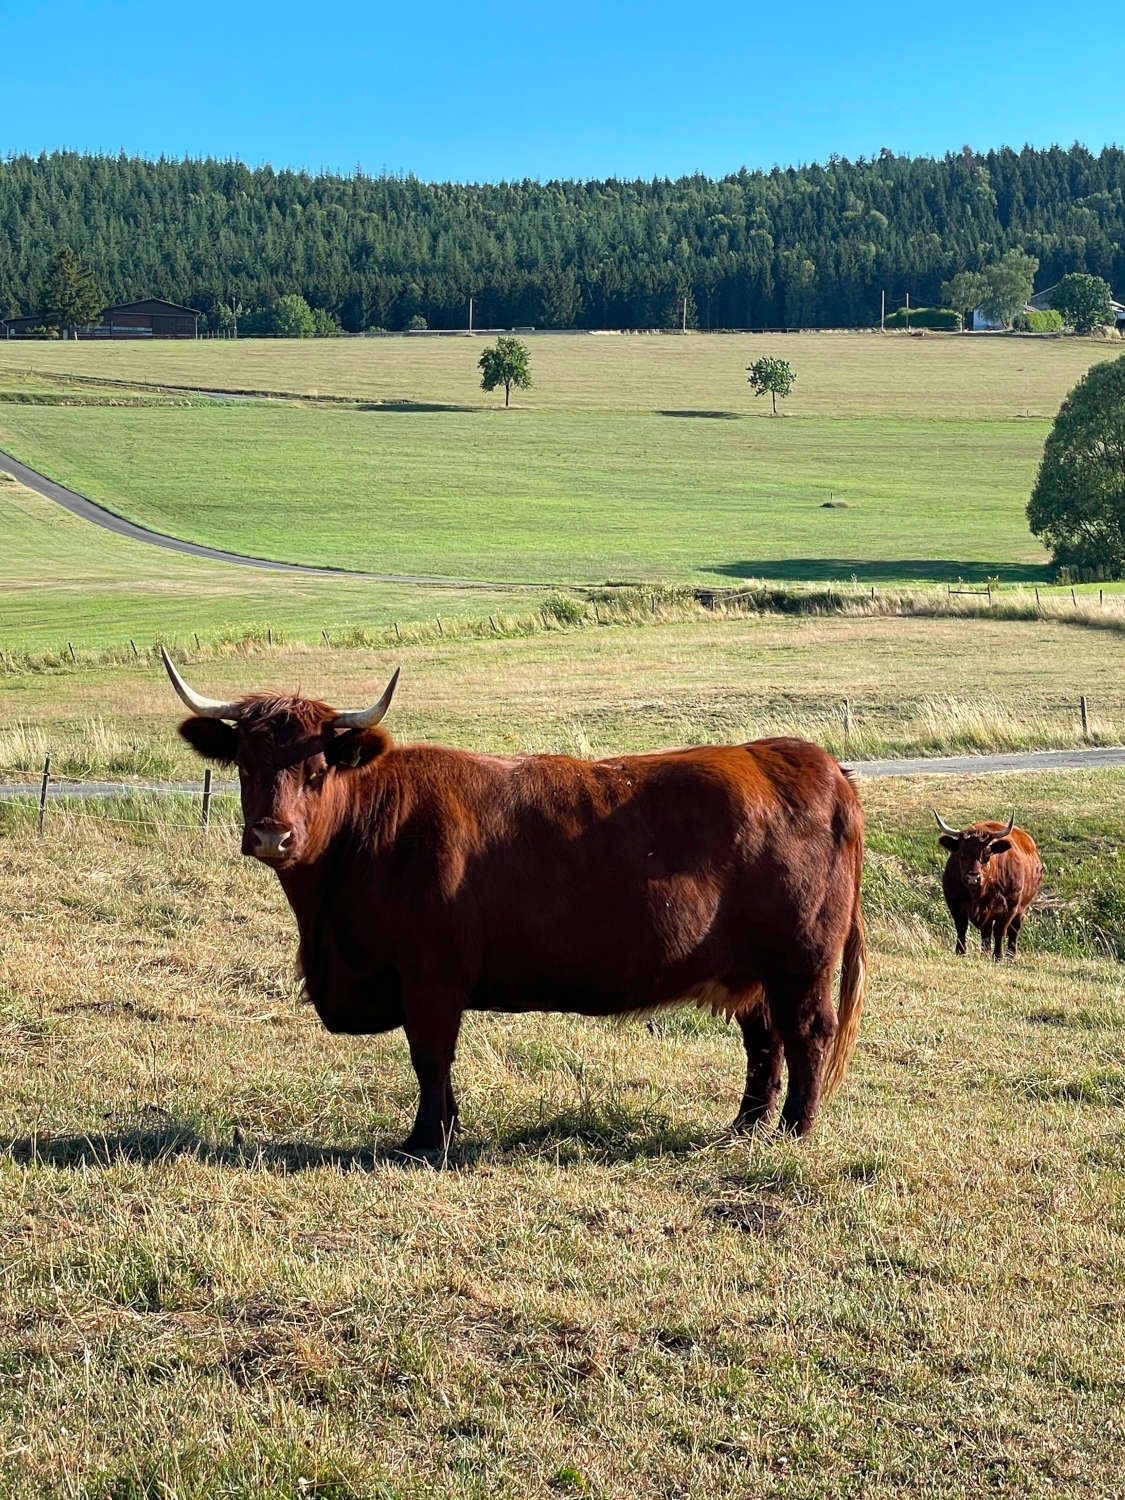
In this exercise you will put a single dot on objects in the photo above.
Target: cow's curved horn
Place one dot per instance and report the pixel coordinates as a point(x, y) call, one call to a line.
point(1004, 832)
point(366, 718)
point(943, 825)
point(206, 708)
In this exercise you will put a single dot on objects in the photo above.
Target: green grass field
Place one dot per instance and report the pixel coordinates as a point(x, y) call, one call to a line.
point(633, 457)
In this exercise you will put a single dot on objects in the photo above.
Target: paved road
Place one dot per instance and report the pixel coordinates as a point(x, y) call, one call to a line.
point(79, 505)
point(944, 765)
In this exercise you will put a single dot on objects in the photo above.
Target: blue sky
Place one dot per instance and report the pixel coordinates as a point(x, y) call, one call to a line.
point(469, 93)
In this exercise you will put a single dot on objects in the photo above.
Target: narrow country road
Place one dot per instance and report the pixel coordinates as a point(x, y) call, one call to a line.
point(938, 765)
point(80, 506)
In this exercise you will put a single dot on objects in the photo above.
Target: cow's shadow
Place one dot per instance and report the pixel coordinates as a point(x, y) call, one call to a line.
point(564, 1137)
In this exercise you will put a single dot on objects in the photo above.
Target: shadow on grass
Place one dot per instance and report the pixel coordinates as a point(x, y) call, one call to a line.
point(412, 406)
point(582, 1134)
point(726, 416)
point(890, 570)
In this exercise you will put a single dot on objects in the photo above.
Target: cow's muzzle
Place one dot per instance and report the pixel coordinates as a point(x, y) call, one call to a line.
point(267, 841)
point(973, 880)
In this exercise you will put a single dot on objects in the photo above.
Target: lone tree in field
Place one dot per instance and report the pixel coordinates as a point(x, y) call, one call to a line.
point(775, 376)
point(506, 365)
point(1082, 301)
point(71, 299)
point(1078, 503)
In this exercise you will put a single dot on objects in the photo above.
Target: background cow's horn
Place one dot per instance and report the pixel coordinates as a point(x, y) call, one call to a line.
point(943, 825)
point(1003, 834)
point(206, 708)
point(365, 718)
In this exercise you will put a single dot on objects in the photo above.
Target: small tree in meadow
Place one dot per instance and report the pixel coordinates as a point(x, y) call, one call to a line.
point(774, 377)
point(1082, 301)
point(506, 365)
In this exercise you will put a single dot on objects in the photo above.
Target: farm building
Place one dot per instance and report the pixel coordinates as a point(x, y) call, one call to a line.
point(151, 318)
point(1040, 302)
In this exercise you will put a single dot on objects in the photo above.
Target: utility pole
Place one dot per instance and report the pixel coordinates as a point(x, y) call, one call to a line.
point(683, 318)
point(883, 313)
point(908, 312)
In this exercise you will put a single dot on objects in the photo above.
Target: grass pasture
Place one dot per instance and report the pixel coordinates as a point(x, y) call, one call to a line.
point(217, 1282)
point(915, 685)
point(633, 457)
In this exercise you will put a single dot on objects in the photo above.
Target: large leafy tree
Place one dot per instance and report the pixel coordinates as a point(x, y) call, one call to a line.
point(772, 377)
point(965, 292)
point(1082, 301)
point(1078, 503)
point(293, 318)
point(71, 300)
point(506, 364)
point(1007, 285)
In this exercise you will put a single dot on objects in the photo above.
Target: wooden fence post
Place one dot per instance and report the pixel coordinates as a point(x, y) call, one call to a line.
point(492, 622)
point(269, 635)
point(196, 634)
point(1036, 596)
point(324, 633)
point(988, 590)
point(205, 814)
point(1073, 600)
point(440, 631)
point(133, 643)
point(70, 648)
point(847, 718)
point(43, 790)
point(1085, 716)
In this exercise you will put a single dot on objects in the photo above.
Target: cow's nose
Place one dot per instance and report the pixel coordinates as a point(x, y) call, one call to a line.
point(268, 843)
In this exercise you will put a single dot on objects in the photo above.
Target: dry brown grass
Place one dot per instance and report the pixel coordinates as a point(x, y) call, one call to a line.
point(217, 1283)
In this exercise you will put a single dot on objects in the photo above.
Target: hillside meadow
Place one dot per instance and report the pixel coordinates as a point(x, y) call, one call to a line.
point(633, 458)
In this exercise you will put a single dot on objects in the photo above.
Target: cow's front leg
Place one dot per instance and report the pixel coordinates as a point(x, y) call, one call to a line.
point(764, 1057)
point(431, 1031)
point(1014, 933)
point(986, 937)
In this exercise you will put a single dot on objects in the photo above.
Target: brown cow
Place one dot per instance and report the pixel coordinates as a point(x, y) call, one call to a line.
point(428, 881)
point(991, 877)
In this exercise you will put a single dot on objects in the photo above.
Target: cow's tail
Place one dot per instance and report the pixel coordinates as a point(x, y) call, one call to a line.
point(853, 984)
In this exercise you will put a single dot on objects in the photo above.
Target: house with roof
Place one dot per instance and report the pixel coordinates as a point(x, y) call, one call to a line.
point(152, 318)
point(1041, 302)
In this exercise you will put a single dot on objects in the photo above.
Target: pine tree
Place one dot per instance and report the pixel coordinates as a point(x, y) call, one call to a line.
point(71, 299)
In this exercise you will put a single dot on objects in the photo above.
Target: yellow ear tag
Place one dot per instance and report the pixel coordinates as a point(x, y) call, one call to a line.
point(356, 756)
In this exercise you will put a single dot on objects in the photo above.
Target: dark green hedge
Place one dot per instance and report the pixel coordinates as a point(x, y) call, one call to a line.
point(942, 318)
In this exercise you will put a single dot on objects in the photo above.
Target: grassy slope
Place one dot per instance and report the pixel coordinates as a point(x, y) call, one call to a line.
point(925, 1300)
point(569, 496)
point(929, 441)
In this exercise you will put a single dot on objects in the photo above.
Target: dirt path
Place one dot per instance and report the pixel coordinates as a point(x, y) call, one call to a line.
point(87, 510)
point(944, 765)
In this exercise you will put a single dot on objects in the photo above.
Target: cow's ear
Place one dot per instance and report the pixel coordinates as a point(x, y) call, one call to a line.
point(999, 846)
point(949, 841)
point(348, 749)
point(211, 738)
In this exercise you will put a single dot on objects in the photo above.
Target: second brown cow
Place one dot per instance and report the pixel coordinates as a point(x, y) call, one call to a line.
point(991, 877)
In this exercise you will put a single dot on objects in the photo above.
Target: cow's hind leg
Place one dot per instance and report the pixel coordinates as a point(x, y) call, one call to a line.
point(764, 1057)
point(806, 1020)
point(431, 1031)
